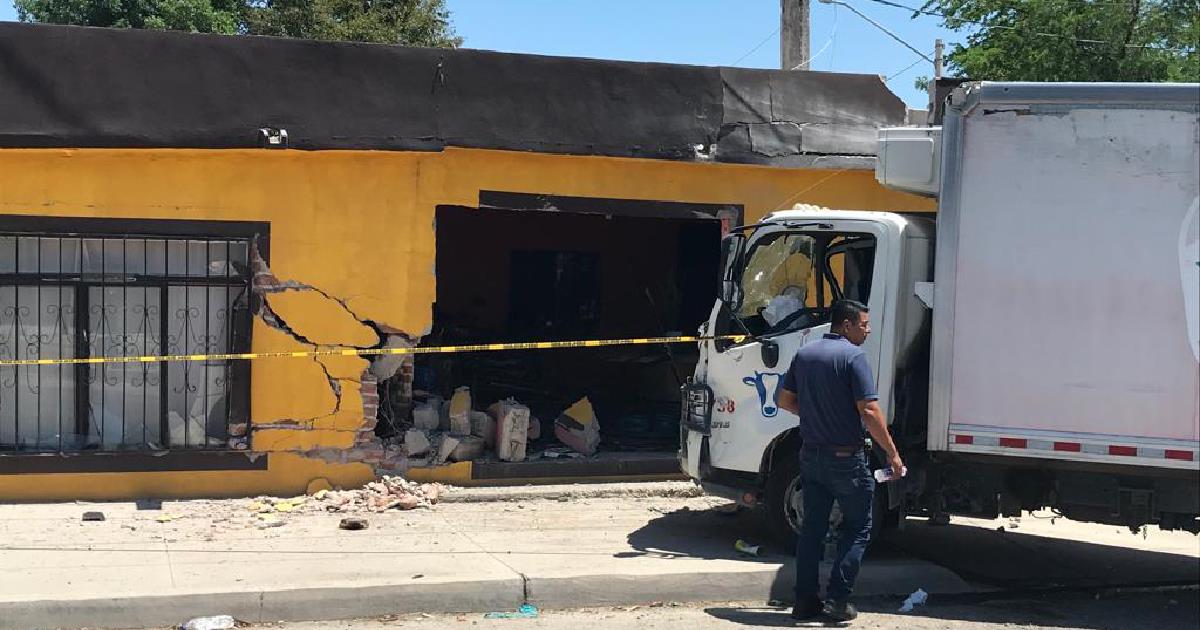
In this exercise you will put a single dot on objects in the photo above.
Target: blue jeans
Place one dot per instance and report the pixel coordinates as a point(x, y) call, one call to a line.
point(826, 477)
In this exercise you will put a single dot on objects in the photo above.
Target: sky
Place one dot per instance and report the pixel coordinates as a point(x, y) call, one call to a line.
point(701, 32)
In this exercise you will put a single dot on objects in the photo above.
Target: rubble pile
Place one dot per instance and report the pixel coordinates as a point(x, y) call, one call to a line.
point(379, 496)
point(453, 431)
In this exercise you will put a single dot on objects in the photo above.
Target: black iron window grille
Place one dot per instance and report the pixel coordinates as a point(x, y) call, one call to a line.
point(104, 295)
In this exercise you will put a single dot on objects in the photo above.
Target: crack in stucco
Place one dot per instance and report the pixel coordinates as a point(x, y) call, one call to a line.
point(292, 285)
point(367, 448)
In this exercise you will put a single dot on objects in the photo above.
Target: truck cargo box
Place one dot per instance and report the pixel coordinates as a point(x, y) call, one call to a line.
point(1066, 317)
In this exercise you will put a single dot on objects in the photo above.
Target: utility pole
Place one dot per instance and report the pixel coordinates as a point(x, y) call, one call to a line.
point(794, 34)
point(938, 47)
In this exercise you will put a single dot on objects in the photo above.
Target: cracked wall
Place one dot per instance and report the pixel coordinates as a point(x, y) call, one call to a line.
point(351, 266)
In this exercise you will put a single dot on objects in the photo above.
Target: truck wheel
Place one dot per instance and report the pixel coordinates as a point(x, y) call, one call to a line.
point(784, 509)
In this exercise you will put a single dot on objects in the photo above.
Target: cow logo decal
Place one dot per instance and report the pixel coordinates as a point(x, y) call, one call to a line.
point(767, 385)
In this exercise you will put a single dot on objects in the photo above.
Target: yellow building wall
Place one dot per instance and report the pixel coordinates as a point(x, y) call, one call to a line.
point(359, 227)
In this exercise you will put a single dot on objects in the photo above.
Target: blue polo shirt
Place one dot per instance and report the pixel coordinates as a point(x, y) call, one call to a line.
point(829, 376)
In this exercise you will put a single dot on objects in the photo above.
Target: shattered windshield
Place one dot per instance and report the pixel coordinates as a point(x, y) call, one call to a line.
point(782, 268)
point(791, 278)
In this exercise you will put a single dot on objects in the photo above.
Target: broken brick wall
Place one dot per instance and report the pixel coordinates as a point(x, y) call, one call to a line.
point(352, 255)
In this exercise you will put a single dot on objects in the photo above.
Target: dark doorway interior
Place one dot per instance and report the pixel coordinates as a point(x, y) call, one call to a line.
point(538, 275)
point(553, 294)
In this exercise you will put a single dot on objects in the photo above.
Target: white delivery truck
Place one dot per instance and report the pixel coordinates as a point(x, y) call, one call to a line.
point(1039, 346)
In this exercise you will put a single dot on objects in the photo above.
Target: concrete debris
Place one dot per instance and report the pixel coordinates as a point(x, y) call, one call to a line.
point(578, 428)
point(512, 429)
point(484, 426)
point(459, 412)
point(470, 447)
point(93, 516)
point(416, 442)
point(426, 416)
point(354, 524)
point(385, 366)
point(268, 520)
point(445, 447)
point(386, 494)
point(378, 496)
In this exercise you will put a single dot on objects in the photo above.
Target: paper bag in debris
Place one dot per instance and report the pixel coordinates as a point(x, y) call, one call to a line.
point(578, 428)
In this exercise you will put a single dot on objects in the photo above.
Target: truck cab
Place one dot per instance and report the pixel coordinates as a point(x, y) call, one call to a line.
point(779, 279)
point(1067, 219)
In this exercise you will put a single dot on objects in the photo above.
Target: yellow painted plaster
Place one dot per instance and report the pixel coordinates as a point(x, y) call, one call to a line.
point(287, 474)
point(286, 388)
point(320, 319)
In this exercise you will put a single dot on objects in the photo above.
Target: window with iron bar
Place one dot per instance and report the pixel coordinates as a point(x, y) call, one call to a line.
point(120, 289)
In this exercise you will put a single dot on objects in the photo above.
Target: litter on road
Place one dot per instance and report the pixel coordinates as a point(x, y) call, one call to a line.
point(526, 611)
point(354, 524)
point(746, 548)
point(218, 622)
point(918, 598)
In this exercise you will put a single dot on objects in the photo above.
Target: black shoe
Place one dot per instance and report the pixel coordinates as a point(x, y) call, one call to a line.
point(841, 611)
point(810, 608)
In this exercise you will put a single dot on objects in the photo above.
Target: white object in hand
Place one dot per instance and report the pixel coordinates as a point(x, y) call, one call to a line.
point(884, 475)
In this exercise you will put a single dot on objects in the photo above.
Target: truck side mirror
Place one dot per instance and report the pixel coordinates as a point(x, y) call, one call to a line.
point(770, 353)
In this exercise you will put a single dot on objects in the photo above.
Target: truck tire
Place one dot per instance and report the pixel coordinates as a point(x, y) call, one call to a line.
point(783, 511)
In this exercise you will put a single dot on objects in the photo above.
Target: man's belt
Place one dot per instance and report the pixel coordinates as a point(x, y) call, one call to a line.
point(835, 450)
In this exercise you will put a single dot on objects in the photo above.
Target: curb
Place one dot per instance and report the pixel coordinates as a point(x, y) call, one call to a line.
point(467, 596)
point(306, 604)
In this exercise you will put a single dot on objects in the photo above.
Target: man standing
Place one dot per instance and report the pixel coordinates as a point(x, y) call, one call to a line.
point(830, 386)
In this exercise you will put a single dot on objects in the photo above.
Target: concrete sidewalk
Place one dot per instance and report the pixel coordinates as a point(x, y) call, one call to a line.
point(132, 571)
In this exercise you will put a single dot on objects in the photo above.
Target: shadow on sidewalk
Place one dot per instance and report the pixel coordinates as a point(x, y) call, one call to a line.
point(762, 617)
point(1014, 559)
point(1155, 611)
point(1004, 560)
point(711, 534)
point(707, 534)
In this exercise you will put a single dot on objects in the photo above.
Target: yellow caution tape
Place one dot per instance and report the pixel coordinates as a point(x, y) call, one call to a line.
point(353, 352)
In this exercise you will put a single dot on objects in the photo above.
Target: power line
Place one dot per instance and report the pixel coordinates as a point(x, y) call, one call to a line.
point(833, 33)
point(944, 16)
point(880, 27)
point(909, 67)
point(760, 45)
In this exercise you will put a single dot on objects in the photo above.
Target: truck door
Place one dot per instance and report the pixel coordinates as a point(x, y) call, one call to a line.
point(787, 280)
